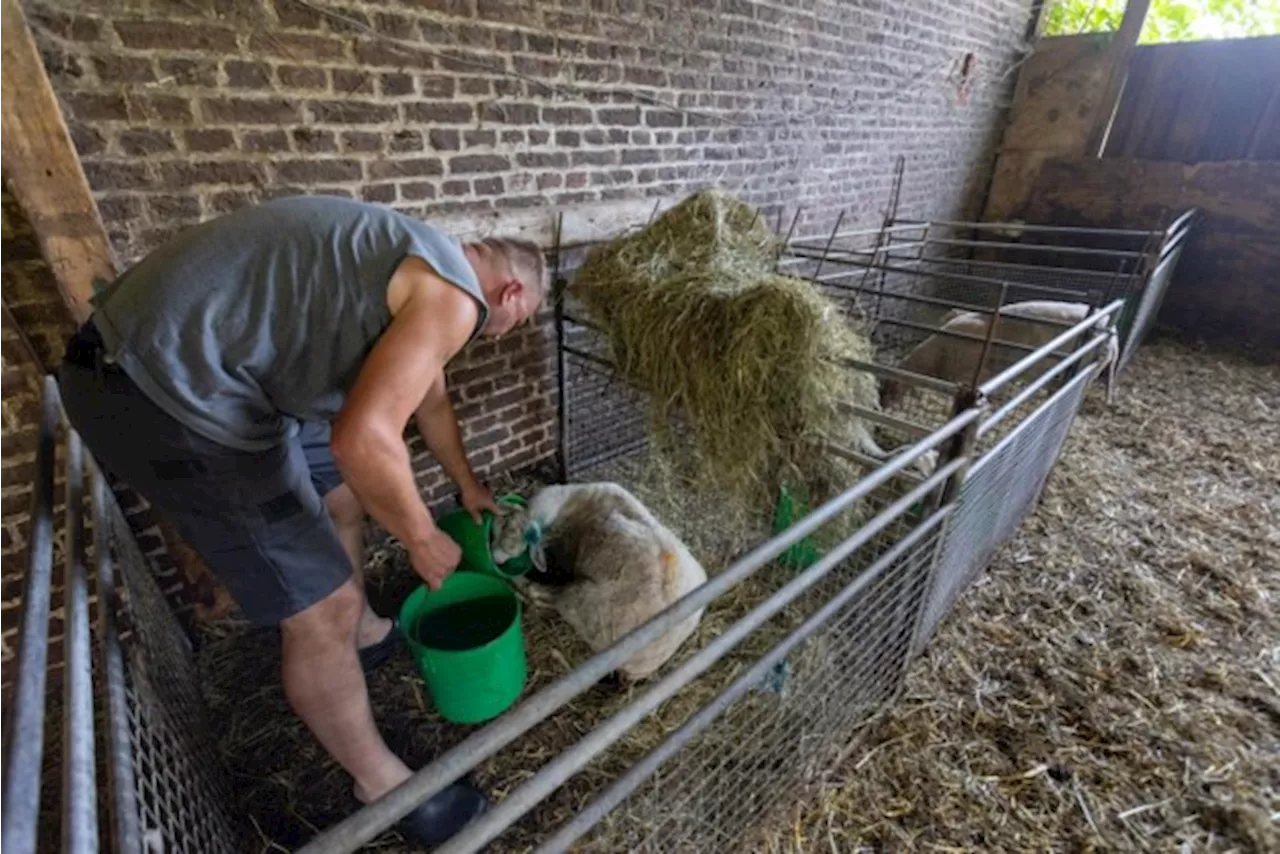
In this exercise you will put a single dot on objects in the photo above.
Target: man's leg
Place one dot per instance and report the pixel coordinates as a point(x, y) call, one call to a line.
point(326, 688)
point(348, 517)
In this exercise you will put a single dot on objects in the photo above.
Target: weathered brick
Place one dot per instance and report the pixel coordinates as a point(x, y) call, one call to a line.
point(314, 140)
point(173, 207)
point(264, 142)
point(475, 86)
point(297, 47)
point(380, 54)
point(625, 116)
point(405, 140)
point(488, 186)
point(141, 141)
point(543, 159)
point(351, 112)
point(381, 193)
point(175, 36)
point(207, 141)
point(362, 141)
point(124, 69)
point(455, 188)
point(190, 72)
point(313, 171)
point(247, 75)
point(664, 119)
point(447, 112)
point(88, 140)
point(417, 191)
point(395, 85)
point(302, 77)
point(295, 16)
point(415, 167)
point(96, 107)
point(346, 82)
point(251, 111)
point(568, 138)
point(508, 113)
point(480, 138)
point(117, 175)
point(228, 200)
point(186, 174)
point(566, 115)
point(160, 108)
point(444, 140)
point(478, 163)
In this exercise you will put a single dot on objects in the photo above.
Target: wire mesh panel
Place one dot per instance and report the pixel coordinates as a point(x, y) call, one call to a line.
point(182, 796)
point(785, 732)
point(999, 492)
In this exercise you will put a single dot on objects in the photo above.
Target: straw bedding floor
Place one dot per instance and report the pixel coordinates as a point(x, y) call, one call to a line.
point(1112, 683)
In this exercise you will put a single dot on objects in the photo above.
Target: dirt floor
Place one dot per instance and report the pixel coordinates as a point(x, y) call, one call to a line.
point(1111, 683)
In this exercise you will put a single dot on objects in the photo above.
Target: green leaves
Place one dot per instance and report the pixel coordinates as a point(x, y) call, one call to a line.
point(1168, 20)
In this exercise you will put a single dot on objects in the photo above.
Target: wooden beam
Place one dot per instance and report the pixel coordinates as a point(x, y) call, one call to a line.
point(43, 170)
point(1126, 38)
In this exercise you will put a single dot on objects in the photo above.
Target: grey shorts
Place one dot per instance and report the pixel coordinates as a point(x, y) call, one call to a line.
point(257, 518)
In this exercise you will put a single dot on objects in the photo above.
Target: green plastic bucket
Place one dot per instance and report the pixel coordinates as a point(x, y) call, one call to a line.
point(789, 510)
point(474, 540)
point(467, 641)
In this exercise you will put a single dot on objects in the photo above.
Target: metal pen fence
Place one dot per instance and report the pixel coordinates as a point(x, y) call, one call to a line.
point(789, 685)
point(138, 771)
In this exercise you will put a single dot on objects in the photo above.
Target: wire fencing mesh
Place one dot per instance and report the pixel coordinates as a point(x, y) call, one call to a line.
point(1000, 490)
point(183, 798)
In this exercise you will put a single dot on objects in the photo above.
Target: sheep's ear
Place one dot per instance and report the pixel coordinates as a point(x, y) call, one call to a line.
point(539, 555)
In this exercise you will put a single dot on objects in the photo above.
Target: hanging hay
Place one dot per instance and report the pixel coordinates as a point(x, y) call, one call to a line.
point(749, 361)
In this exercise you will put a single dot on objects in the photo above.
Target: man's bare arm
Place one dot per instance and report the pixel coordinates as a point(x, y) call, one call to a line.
point(430, 325)
point(438, 425)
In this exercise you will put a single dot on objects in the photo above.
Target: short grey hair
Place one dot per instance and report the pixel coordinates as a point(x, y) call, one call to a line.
point(526, 260)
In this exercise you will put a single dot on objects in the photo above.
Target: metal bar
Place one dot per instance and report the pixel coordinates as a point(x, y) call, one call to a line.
point(1033, 247)
point(562, 373)
point(792, 230)
point(883, 419)
point(590, 357)
point(841, 250)
point(360, 827)
point(991, 334)
point(553, 775)
point(79, 785)
point(830, 240)
point(579, 321)
point(829, 281)
point(1080, 328)
point(1037, 384)
point(922, 380)
point(605, 456)
point(619, 789)
point(1006, 265)
point(125, 826)
point(857, 232)
point(24, 725)
point(966, 277)
point(867, 460)
point(1064, 229)
point(951, 333)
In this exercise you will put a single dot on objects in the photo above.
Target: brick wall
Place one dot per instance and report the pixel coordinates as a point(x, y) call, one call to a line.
point(182, 109)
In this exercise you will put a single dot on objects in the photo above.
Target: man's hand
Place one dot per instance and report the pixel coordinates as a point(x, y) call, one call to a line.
point(436, 558)
point(477, 498)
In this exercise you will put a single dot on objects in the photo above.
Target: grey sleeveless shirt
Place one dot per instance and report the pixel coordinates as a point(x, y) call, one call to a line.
point(246, 324)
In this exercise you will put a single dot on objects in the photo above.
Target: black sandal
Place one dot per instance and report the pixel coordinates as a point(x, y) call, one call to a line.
point(436, 821)
point(375, 655)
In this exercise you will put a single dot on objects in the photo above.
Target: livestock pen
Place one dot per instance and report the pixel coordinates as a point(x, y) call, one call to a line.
point(789, 669)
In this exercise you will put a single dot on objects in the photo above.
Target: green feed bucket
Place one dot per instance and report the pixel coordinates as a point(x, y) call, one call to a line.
point(467, 641)
point(475, 539)
point(787, 512)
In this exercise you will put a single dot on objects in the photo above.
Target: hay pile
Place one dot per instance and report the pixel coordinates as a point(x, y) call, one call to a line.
point(748, 360)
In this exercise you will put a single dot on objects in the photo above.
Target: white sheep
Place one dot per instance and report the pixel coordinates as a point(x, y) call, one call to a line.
point(956, 359)
point(623, 566)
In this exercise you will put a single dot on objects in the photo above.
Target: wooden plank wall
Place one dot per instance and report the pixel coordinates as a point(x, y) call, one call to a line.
point(1227, 286)
point(1200, 102)
point(1198, 124)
